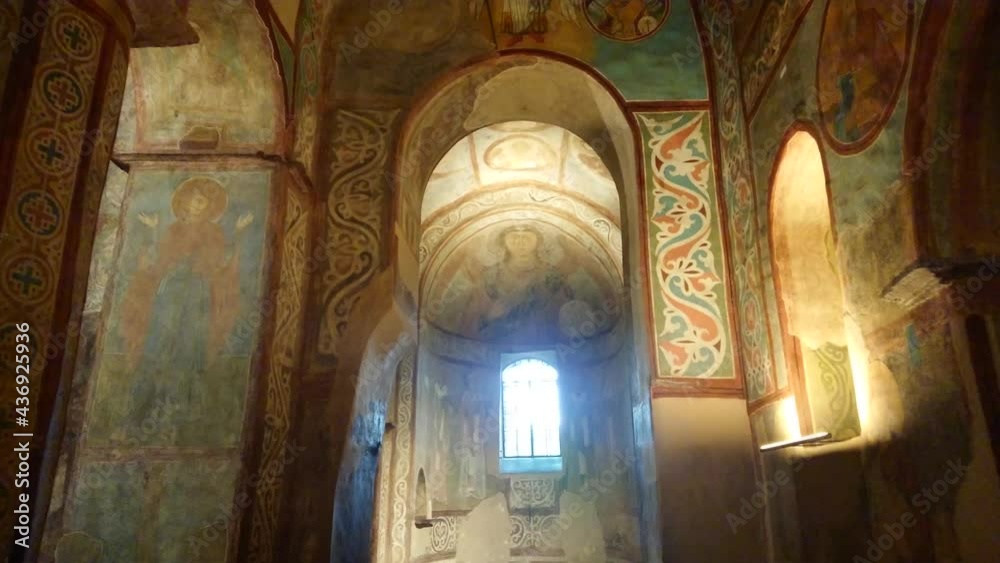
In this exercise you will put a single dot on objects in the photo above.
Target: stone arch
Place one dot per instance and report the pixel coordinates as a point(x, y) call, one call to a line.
point(506, 88)
point(532, 86)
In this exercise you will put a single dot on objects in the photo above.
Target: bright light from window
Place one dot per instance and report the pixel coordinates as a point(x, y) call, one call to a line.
point(530, 410)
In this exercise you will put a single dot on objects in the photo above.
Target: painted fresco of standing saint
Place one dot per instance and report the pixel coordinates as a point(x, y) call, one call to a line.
point(183, 299)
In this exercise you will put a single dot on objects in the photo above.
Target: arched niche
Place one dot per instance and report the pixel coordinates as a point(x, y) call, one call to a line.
point(514, 87)
point(809, 287)
point(528, 86)
point(516, 213)
point(422, 507)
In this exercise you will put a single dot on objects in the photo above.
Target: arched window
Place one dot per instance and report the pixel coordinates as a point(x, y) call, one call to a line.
point(530, 416)
point(810, 292)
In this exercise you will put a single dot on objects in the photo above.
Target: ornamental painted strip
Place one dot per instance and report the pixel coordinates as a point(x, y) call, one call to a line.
point(687, 265)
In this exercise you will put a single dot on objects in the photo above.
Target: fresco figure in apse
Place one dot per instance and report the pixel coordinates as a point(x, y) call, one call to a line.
point(183, 299)
point(521, 297)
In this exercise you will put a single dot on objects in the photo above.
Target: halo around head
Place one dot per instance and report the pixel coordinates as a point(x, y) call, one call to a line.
point(210, 189)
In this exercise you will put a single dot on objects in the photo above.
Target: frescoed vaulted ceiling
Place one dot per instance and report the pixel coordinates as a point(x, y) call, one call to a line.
point(521, 238)
point(647, 48)
point(521, 152)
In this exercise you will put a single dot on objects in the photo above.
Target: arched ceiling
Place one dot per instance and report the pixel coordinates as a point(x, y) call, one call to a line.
point(513, 88)
point(521, 151)
point(521, 239)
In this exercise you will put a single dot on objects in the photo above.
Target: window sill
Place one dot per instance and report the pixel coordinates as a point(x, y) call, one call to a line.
point(518, 465)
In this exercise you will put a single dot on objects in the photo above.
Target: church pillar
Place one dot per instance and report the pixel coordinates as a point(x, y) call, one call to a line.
point(62, 69)
point(355, 294)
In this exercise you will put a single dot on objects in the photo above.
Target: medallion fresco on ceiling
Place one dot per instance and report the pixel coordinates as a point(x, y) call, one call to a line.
point(863, 57)
point(626, 20)
point(534, 21)
point(526, 152)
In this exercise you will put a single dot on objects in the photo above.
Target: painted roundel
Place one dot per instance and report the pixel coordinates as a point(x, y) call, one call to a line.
point(626, 20)
point(39, 213)
point(26, 279)
point(50, 152)
point(75, 37)
point(62, 91)
point(863, 56)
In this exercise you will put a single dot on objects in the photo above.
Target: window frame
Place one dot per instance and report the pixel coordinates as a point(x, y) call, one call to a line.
point(533, 463)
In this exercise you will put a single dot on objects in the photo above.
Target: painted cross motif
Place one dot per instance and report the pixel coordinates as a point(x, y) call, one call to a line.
point(62, 92)
point(50, 152)
point(75, 37)
point(27, 279)
point(39, 213)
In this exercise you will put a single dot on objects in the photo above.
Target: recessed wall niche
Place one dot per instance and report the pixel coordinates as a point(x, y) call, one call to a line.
point(807, 278)
point(521, 256)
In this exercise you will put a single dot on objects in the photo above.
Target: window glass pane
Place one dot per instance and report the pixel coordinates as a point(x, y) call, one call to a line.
point(530, 409)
